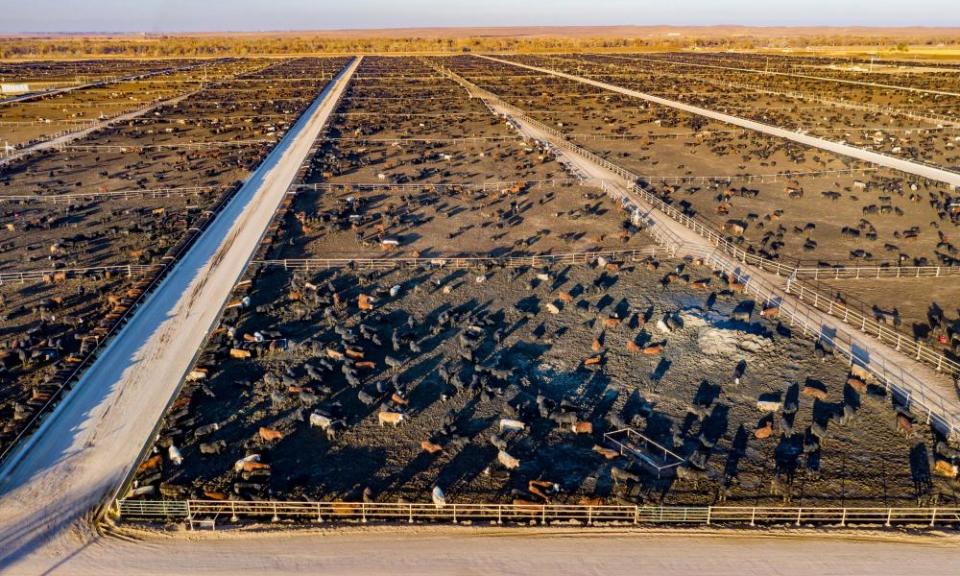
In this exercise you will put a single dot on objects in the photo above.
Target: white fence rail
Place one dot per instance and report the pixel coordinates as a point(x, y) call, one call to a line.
point(465, 261)
point(870, 325)
point(527, 514)
point(58, 274)
point(909, 390)
point(875, 272)
point(115, 194)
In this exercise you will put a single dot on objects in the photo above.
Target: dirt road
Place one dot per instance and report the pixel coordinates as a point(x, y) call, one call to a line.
point(83, 450)
point(453, 550)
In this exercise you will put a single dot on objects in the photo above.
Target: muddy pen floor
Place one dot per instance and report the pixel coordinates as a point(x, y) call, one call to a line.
point(507, 376)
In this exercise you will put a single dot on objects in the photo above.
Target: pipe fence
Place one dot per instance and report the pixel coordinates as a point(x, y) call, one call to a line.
point(875, 272)
point(842, 102)
point(904, 386)
point(149, 193)
point(874, 327)
point(56, 274)
point(420, 186)
point(208, 512)
point(458, 262)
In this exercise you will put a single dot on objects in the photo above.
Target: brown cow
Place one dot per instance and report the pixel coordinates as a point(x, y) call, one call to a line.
point(607, 453)
point(770, 312)
point(764, 430)
point(593, 360)
point(269, 434)
point(582, 428)
point(254, 466)
point(364, 302)
point(904, 423)
point(653, 349)
point(814, 392)
point(150, 464)
point(857, 384)
point(431, 447)
point(540, 488)
point(524, 506)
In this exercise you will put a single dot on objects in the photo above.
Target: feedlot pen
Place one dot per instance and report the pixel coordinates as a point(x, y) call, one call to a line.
point(503, 381)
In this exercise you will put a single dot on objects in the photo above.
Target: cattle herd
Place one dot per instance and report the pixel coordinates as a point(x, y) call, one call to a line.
point(102, 216)
point(459, 368)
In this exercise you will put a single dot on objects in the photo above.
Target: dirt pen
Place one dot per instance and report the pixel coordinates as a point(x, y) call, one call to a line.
point(204, 513)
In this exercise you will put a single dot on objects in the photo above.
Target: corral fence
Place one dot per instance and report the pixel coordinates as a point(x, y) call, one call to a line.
point(907, 388)
point(874, 327)
point(651, 454)
point(58, 274)
point(205, 513)
point(438, 186)
point(151, 193)
point(568, 258)
point(875, 272)
point(875, 108)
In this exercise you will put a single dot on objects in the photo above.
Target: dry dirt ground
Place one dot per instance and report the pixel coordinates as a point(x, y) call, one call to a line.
point(456, 351)
point(150, 182)
point(684, 397)
point(465, 550)
point(866, 216)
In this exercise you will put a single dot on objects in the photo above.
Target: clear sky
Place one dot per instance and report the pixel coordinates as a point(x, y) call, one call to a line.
point(255, 15)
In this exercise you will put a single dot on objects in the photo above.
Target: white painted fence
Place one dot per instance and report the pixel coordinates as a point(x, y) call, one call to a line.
point(196, 511)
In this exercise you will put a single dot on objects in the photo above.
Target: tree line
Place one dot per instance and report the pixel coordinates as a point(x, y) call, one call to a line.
point(174, 46)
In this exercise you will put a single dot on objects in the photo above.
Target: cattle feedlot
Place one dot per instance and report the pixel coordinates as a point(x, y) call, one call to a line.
point(278, 300)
